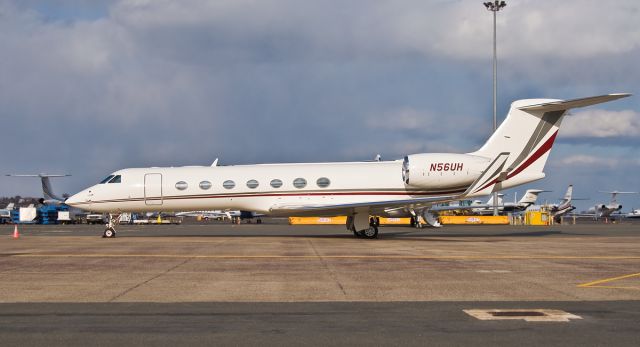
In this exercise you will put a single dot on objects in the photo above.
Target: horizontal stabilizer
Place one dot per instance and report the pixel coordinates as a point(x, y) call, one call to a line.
point(561, 105)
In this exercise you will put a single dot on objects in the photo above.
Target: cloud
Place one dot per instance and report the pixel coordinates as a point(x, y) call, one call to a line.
point(586, 161)
point(601, 124)
point(152, 83)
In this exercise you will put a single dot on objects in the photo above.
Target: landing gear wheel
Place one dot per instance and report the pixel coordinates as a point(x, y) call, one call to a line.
point(370, 233)
point(109, 233)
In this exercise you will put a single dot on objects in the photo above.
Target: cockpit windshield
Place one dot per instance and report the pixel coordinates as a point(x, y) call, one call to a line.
point(116, 179)
point(106, 179)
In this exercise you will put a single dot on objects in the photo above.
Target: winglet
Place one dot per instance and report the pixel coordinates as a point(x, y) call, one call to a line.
point(494, 174)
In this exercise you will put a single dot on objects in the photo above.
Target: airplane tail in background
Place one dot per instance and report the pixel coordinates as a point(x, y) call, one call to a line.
point(528, 133)
point(530, 197)
point(567, 196)
point(47, 191)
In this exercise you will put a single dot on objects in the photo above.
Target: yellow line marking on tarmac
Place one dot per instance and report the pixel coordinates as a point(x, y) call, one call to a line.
point(594, 284)
point(391, 257)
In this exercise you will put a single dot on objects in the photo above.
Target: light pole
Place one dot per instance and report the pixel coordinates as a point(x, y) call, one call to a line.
point(495, 6)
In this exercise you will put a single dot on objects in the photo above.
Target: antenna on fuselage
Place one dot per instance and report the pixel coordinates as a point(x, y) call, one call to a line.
point(215, 162)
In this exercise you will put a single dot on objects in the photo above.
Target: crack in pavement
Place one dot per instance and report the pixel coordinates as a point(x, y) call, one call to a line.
point(149, 280)
point(326, 266)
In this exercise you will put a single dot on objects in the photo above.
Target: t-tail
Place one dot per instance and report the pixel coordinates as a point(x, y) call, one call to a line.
point(49, 197)
point(530, 197)
point(527, 135)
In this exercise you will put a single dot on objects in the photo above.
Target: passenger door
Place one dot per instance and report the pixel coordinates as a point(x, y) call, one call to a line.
point(153, 189)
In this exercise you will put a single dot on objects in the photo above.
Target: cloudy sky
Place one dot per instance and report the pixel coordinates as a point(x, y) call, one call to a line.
point(89, 87)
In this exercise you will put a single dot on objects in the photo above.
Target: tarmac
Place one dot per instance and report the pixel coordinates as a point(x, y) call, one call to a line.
point(216, 283)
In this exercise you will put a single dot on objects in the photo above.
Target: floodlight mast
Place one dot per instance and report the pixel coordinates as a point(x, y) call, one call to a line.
point(495, 6)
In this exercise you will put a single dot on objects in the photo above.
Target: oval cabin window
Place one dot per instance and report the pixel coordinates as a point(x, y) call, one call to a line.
point(204, 185)
point(300, 183)
point(182, 185)
point(229, 184)
point(252, 184)
point(323, 182)
point(276, 183)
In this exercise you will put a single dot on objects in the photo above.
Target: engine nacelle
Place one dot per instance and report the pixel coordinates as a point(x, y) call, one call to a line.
point(442, 170)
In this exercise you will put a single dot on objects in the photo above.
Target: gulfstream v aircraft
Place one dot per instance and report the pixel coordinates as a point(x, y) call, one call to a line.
point(515, 154)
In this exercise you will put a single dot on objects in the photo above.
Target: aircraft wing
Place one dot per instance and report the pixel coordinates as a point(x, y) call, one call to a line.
point(376, 207)
point(453, 208)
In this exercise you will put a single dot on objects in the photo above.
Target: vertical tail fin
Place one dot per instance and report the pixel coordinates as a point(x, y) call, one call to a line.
point(530, 197)
point(47, 192)
point(567, 196)
point(529, 132)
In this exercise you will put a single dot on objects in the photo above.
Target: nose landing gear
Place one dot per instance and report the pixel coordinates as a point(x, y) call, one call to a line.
point(110, 230)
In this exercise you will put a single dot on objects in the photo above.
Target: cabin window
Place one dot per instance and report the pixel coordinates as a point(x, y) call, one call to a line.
point(276, 183)
point(229, 184)
point(253, 184)
point(300, 183)
point(116, 179)
point(204, 185)
point(182, 185)
point(106, 179)
point(323, 182)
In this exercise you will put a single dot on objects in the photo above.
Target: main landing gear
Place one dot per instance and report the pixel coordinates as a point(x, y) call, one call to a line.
point(110, 230)
point(368, 232)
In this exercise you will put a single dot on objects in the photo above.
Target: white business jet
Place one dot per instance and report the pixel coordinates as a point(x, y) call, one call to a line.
point(607, 210)
point(49, 197)
point(515, 154)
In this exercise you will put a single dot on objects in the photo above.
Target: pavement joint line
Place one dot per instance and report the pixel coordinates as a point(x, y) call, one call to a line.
point(594, 284)
point(391, 257)
point(128, 290)
point(332, 273)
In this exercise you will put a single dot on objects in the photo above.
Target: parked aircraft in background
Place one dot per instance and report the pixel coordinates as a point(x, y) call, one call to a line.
point(515, 154)
point(49, 197)
point(478, 208)
point(634, 214)
point(564, 207)
point(529, 198)
point(606, 210)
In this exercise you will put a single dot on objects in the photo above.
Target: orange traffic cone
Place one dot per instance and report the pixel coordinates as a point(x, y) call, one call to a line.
point(16, 234)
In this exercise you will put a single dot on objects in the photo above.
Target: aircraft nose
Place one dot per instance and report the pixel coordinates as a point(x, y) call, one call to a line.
point(73, 200)
point(81, 199)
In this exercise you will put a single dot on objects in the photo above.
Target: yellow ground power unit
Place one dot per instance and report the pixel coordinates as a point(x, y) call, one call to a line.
point(537, 218)
point(493, 220)
point(342, 220)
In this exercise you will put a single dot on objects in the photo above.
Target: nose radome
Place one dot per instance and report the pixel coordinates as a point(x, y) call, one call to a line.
point(73, 200)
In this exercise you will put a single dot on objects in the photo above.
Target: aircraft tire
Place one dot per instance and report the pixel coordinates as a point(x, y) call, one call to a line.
point(109, 233)
point(370, 233)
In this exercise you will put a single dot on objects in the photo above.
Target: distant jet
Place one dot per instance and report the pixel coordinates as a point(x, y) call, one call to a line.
point(564, 207)
point(478, 208)
point(49, 197)
point(606, 210)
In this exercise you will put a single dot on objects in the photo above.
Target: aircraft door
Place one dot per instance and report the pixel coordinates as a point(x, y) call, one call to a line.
point(153, 189)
